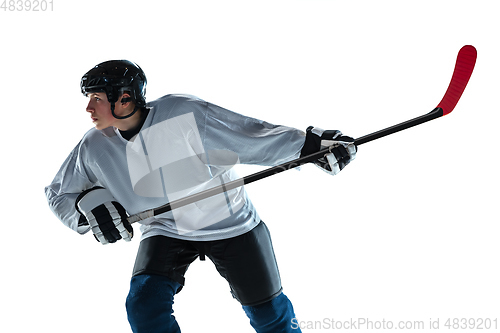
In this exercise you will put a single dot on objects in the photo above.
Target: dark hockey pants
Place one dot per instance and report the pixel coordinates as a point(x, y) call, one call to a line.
point(149, 308)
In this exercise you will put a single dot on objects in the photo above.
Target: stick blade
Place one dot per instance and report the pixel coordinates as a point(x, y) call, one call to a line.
point(464, 66)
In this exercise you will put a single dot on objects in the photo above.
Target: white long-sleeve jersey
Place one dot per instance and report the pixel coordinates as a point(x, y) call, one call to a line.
point(185, 145)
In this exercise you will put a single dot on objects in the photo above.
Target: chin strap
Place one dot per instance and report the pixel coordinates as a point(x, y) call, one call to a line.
point(123, 117)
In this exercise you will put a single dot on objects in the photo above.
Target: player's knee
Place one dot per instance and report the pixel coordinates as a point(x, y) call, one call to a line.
point(149, 302)
point(275, 315)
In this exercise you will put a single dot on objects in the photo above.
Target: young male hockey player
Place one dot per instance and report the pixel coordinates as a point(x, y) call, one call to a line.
point(140, 156)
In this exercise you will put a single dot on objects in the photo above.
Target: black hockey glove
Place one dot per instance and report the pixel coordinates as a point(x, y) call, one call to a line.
point(106, 217)
point(342, 149)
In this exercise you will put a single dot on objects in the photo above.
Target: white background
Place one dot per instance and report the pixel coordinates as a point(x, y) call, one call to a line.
point(408, 231)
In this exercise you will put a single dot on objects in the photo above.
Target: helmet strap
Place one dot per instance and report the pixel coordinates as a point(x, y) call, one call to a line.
point(123, 117)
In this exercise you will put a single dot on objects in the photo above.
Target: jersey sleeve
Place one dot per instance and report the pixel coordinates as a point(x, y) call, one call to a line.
point(253, 140)
point(69, 182)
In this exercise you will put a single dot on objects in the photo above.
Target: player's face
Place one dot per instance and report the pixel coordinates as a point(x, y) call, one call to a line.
point(100, 110)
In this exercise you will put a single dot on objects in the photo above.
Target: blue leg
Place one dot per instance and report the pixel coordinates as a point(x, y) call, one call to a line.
point(273, 316)
point(149, 304)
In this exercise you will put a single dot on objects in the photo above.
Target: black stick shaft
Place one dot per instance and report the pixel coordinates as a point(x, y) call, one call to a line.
point(436, 113)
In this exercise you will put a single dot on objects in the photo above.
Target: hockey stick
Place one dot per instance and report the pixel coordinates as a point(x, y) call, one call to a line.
point(463, 70)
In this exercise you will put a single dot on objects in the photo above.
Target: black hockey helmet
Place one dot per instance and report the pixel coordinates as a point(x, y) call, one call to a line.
point(114, 77)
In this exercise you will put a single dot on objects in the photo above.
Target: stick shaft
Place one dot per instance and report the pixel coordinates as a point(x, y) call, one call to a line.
point(437, 112)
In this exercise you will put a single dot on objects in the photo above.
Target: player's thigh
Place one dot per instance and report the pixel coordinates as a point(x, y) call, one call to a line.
point(249, 265)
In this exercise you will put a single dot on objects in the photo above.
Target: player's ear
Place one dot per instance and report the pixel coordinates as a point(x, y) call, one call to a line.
point(125, 98)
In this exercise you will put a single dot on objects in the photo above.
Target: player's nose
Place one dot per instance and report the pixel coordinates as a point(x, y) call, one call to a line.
point(90, 107)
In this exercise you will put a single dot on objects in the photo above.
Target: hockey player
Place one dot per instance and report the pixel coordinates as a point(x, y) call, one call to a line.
point(142, 155)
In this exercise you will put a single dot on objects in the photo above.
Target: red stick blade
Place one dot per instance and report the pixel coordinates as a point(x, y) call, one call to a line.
point(463, 70)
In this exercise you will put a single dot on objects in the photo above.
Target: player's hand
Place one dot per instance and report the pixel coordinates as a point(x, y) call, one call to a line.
point(342, 149)
point(106, 217)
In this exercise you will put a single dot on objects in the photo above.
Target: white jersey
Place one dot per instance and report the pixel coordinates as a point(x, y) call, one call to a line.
point(185, 145)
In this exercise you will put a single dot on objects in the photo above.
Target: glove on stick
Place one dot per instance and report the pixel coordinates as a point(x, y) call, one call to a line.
point(342, 149)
